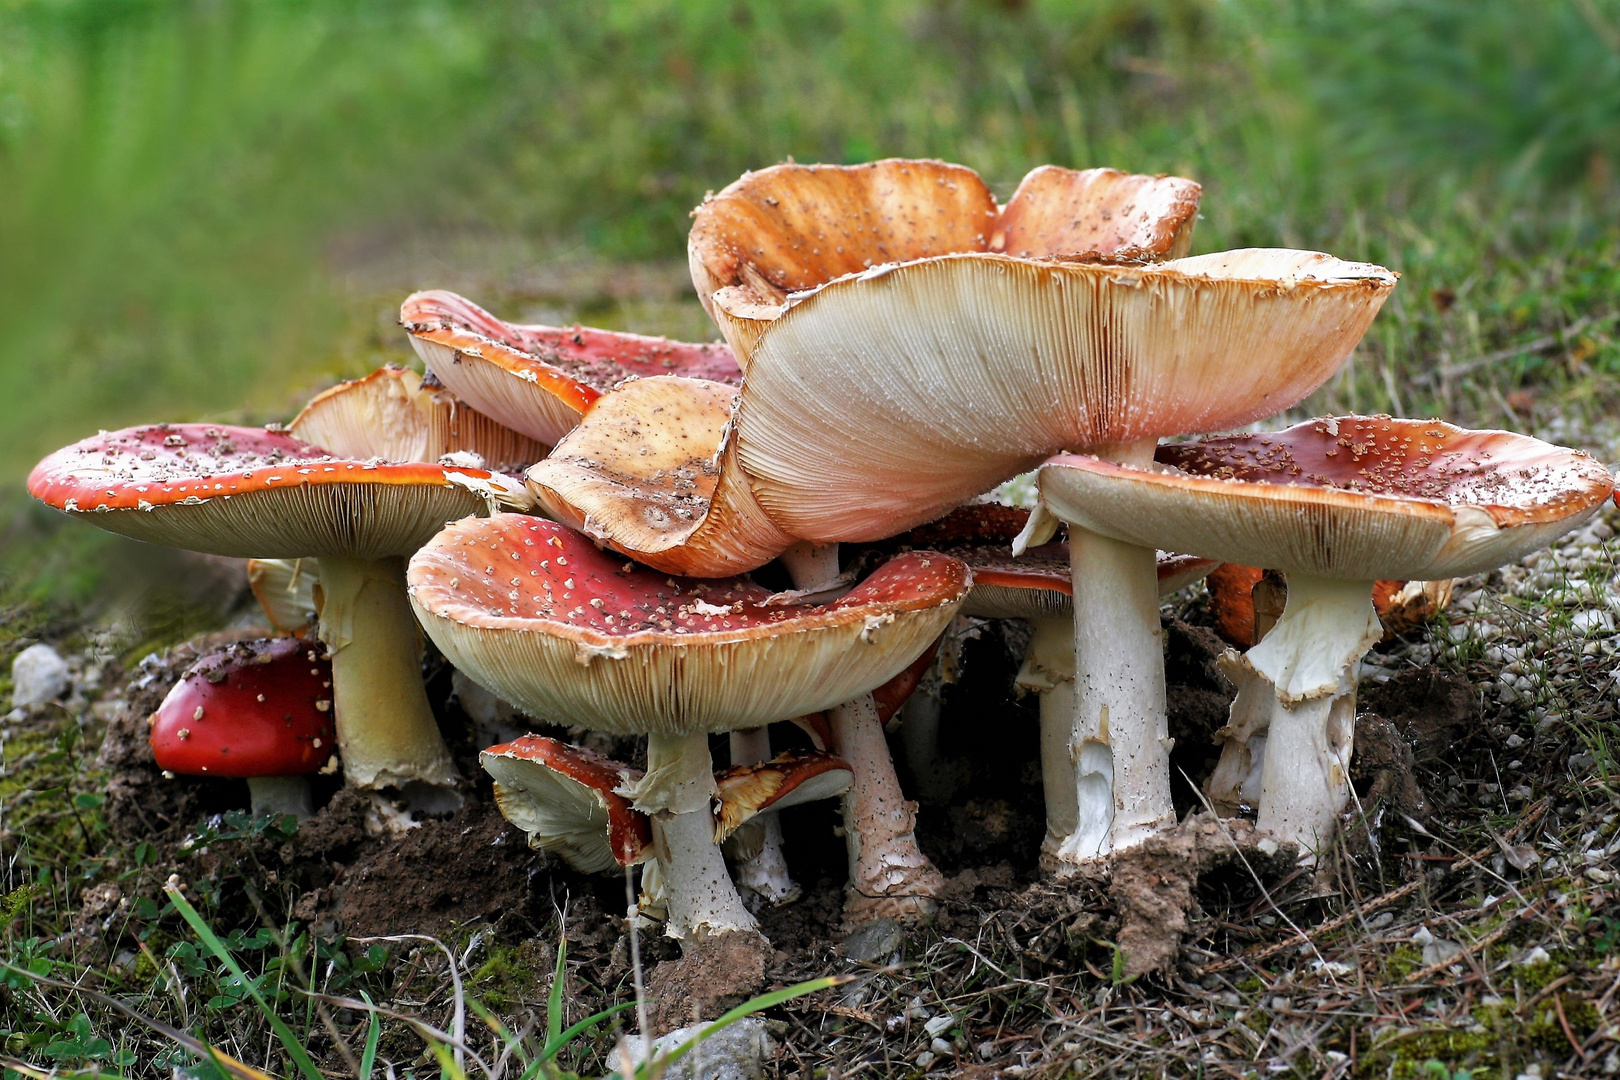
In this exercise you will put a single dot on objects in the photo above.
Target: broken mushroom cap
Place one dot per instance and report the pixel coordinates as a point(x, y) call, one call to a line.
point(257, 493)
point(538, 614)
point(566, 799)
point(259, 708)
point(879, 402)
point(793, 227)
point(394, 415)
point(650, 472)
point(537, 380)
point(1351, 497)
point(788, 779)
point(285, 590)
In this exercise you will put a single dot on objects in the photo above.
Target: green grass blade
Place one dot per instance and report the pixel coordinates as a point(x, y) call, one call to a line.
point(204, 933)
point(554, 999)
point(554, 1046)
point(747, 1008)
point(368, 1059)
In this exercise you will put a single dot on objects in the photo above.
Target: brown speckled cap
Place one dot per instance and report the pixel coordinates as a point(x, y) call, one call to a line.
point(1355, 497)
point(538, 379)
point(254, 492)
point(650, 471)
point(538, 614)
point(793, 227)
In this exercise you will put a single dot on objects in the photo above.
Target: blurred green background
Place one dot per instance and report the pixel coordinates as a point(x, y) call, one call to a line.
point(209, 209)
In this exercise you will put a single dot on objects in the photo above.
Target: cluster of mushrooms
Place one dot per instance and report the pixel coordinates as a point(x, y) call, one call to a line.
point(572, 517)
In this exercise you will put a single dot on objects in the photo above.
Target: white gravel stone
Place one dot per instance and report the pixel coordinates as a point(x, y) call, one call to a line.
point(38, 674)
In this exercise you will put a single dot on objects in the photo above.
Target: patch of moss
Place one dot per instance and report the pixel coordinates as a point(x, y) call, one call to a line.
point(512, 974)
point(1435, 1052)
point(1402, 961)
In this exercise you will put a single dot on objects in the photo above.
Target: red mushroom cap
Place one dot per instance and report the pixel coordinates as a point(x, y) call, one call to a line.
point(539, 379)
point(258, 708)
point(629, 831)
point(254, 492)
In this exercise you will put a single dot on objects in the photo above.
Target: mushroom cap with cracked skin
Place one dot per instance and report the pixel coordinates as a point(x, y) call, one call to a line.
point(650, 471)
point(537, 380)
point(256, 493)
point(1037, 583)
point(788, 779)
point(538, 614)
point(396, 415)
point(880, 401)
point(1352, 497)
point(257, 708)
point(793, 227)
point(566, 799)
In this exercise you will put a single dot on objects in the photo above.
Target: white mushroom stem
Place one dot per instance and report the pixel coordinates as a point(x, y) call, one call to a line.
point(888, 873)
point(678, 792)
point(280, 795)
point(1309, 660)
point(765, 870)
point(889, 876)
point(386, 731)
point(1235, 783)
point(1048, 670)
point(1121, 737)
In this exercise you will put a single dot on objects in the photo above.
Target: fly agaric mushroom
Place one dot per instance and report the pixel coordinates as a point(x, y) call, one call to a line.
point(255, 492)
point(945, 377)
point(648, 472)
point(537, 380)
point(259, 711)
point(794, 227)
point(1336, 504)
point(1037, 586)
point(566, 799)
point(396, 415)
point(539, 615)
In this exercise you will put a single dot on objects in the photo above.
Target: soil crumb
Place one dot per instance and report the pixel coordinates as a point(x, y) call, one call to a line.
point(715, 974)
point(1152, 893)
point(437, 876)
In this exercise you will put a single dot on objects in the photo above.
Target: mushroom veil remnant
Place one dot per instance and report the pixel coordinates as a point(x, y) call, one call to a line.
point(1335, 504)
point(260, 493)
point(538, 614)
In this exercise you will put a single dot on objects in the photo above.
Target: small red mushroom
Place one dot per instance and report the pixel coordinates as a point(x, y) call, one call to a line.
point(259, 711)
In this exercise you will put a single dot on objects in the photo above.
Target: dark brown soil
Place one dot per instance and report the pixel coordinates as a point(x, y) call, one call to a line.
point(713, 975)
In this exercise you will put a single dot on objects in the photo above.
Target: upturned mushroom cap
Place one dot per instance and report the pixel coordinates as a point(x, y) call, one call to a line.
point(257, 493)
point(566, 799)
point(537, 380)
point(538, 614)
point(258, 708)
point(786, 780)
point(1037, 583)
point(880, 401)
point(650, 471)
point(392, 414)
point(794, 227)
point(1351, 497)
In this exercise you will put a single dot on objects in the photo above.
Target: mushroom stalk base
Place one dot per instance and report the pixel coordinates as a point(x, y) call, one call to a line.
point(765, 871)
point(1121, 739)
point(1309, 660)
point(280, 795)
point(701, 900)
point(386, 731)
point(889, 876)
point(1048, 670)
